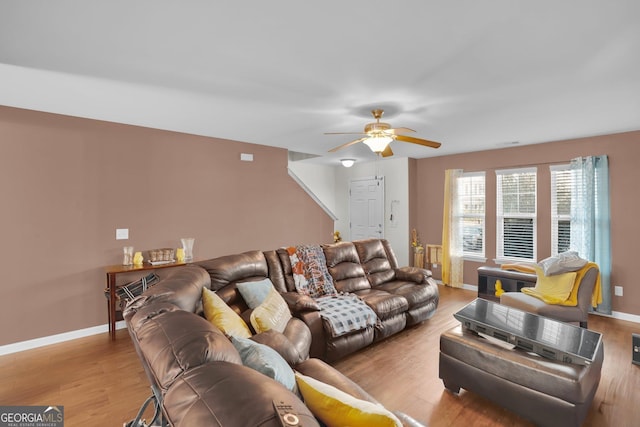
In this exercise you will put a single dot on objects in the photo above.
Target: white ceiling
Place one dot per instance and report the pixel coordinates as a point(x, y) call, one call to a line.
point(471, 74)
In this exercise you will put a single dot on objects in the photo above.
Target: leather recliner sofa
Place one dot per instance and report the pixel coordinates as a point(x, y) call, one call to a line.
point(197, 374)
point(400, 297)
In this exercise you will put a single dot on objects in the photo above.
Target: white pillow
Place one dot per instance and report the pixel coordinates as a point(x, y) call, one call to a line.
point(562, 263)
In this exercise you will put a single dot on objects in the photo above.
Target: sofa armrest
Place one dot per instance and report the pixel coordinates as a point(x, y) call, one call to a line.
point(299, 303)
point(283, 345)
point(413, 274)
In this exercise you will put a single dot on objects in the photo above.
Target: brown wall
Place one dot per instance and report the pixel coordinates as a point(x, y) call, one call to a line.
point(66, 184)
point(623, 151)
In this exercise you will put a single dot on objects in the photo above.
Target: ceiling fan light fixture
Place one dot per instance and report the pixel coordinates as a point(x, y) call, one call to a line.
point(378, 143)
point(347, 163)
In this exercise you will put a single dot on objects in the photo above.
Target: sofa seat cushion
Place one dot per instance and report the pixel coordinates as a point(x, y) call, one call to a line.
point(211, 395)
point(384, 304)
point(416, 295)
point(531, 304)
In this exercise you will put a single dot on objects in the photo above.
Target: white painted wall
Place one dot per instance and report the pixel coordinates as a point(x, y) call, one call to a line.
point(396, 176)
point(320, 179)
point(330, 185)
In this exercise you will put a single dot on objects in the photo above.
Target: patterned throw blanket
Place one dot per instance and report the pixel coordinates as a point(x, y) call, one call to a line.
point(344, 313)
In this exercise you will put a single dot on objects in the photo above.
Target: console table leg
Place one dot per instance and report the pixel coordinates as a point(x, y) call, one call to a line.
point(111, 285)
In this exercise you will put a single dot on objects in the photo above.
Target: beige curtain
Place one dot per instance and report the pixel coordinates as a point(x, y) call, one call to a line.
point(452, 260)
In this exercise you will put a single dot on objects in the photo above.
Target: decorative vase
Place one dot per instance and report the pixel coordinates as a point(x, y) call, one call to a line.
point(138, 259)
point(127, 258)
point(187, 245)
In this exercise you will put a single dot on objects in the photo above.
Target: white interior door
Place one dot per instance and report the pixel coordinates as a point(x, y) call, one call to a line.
point(366, 208)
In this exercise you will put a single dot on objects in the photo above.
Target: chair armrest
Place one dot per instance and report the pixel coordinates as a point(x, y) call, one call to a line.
point(413, 274)
point(300, 303)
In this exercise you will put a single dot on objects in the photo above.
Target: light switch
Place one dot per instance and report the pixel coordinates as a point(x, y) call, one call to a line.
point(122, 233)
point(245, 157)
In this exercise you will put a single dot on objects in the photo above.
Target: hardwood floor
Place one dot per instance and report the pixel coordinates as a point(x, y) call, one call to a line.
point(102, 383)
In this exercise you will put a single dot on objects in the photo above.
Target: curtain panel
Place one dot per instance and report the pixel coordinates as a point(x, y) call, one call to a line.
point(452, 258)
point(591, 218)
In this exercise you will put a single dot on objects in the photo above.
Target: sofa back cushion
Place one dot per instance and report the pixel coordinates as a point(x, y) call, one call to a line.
point(173, 342)
point(345, 268)
point(376, 261)
point(180, 286)
point(227, 271)
point(222, 394)
point(287, 272)
point(277, 271)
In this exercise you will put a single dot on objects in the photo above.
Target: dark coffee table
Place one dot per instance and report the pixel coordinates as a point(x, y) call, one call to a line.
point(547, 337)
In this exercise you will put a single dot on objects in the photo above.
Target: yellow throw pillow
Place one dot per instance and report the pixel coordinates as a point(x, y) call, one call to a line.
point(336, 408)
point(552, 289)
point(222, 316)
point(272, 313)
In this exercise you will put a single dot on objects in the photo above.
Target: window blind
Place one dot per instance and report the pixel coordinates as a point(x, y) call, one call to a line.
point(516, 214)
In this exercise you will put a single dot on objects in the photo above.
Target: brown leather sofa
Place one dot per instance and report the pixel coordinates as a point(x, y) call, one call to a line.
point(400, 297)
point(196, 374)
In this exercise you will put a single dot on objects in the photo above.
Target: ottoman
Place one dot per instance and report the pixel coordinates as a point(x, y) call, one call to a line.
point(547, 392)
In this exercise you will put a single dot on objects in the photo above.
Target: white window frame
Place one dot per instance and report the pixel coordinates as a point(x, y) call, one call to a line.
point(500, 216)
point(555, 217)
point(469, 177)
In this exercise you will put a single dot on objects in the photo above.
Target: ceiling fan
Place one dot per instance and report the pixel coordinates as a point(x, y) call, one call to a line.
point(378, 136)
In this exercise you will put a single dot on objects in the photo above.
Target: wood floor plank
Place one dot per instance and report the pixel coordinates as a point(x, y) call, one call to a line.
point(102, 383)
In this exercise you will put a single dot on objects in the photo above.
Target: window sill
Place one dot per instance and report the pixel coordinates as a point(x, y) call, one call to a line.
point(501, 261)
point(475, 258)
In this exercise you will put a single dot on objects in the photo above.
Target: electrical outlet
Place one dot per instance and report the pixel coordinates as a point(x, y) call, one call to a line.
point(617, 290)
point(434, 266)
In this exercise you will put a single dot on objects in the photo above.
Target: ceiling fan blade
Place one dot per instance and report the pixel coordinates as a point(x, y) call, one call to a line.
point(344, 133)
point(418, 141)
point(399, 131)
point(387, 152)
point(340, 147)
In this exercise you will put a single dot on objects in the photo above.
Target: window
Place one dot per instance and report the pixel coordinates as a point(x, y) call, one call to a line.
point(516, 214)
point(471, 197)
point(561, 183)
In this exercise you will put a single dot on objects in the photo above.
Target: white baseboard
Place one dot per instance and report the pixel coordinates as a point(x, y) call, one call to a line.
point(58, 338)
point(622, 316)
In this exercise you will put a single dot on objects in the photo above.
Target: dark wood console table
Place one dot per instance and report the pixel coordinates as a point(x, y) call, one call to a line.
point(113, 271)
point(511, 281)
